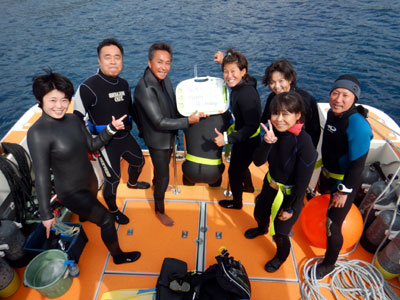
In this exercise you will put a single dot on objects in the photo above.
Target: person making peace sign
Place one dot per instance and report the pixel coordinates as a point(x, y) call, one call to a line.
point(291, 156)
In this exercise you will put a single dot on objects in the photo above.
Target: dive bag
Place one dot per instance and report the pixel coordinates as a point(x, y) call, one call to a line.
point(225, 280)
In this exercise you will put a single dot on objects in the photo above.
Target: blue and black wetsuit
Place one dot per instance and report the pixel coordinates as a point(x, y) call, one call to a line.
point(345, 147)
point(97, 99)
point(291, 162)
point(62, 145)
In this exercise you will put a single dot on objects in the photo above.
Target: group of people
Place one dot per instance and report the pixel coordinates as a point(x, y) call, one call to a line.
point(103, 105)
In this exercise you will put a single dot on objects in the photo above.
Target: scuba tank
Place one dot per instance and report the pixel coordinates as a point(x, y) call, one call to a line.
point(11, 235)
point(9, 280)
point(370, 175)
point(384, 203)
point(388, 260)
point(373, 192)
point(376, 232)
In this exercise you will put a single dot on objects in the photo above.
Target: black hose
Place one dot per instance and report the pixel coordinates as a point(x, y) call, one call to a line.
point(19, 179)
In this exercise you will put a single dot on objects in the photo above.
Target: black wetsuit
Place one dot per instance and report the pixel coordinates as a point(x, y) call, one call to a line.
point(99, 98)
point(159, 121)
point(201, 149)
point(62, 145)
point(246, 109)
point(312, 124)
point(345, 147)
point(291, 162)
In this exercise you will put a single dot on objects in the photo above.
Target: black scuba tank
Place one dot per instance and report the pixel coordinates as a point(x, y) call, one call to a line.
point(376, 232)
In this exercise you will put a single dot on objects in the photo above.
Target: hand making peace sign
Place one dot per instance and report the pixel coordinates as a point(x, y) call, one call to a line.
point(269, 136)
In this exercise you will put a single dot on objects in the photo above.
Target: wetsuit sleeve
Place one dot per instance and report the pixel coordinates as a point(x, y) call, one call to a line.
point(133, 112)
point(313, 121)
point(261, 153)
point(39, 149)
point(266, 115)
point(95, 143)
point(147, 99)
point(250, 109)
point(83, 99)
point(359, 135)
point(304, 168)
point(312, 124)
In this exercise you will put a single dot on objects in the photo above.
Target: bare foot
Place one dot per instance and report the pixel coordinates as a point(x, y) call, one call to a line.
point(164, 219)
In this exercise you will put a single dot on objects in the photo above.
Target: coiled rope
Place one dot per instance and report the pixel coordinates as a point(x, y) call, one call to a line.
point(352, 279)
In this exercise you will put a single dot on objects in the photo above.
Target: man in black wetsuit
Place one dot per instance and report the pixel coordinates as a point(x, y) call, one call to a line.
point(345, 145)
point(96, 100)
point(59, 142)
point(159, 120)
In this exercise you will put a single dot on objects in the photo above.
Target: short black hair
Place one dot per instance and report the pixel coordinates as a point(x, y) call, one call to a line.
point(288, 101)
point(238, 58)
point(109, 42)
point(159, 46)
point(45, 83)
point(283, 66)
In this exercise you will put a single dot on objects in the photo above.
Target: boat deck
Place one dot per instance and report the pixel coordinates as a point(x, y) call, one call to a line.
point(208, 227)
point(201, 228)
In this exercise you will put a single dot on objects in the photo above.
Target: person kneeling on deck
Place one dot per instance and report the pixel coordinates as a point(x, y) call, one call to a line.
point(159, 119)
point(204, 158)
point(345, 145)
point(291, 157)
point(59, 142)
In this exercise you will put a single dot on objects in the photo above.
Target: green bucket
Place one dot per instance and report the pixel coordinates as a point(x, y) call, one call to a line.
point(48, 274)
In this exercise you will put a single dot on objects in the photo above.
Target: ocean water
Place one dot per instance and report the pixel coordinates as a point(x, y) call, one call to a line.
point(322, 39)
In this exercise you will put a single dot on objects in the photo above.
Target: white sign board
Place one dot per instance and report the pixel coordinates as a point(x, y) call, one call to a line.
point(204, 94)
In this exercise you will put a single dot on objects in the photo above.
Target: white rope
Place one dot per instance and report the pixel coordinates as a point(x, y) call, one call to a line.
point(352, 279)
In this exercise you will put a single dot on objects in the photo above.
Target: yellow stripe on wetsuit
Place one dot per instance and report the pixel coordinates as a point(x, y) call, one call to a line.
point(278, 199)
point(326, 173)
point(230, 130)
point(203, 161)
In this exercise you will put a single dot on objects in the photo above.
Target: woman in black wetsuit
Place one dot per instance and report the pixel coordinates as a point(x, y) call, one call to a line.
point(291, 156)
point(246, 110)
point(59, 142)
point(280, 77)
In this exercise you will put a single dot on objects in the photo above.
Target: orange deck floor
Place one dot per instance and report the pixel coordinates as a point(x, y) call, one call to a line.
point(99, 274)
point(155, 241)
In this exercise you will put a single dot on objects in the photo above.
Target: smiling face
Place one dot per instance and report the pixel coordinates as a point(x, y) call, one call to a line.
point(232, 74)
point(55, 104)
point(341, 100)
point(160, 64)
point(284, 120)
point(110, 60)
point(278, 83)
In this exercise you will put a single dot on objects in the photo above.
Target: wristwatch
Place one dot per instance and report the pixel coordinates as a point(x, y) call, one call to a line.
point(342, 188)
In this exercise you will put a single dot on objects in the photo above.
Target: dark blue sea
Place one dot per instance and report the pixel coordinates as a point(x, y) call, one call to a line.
point(323, 39)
